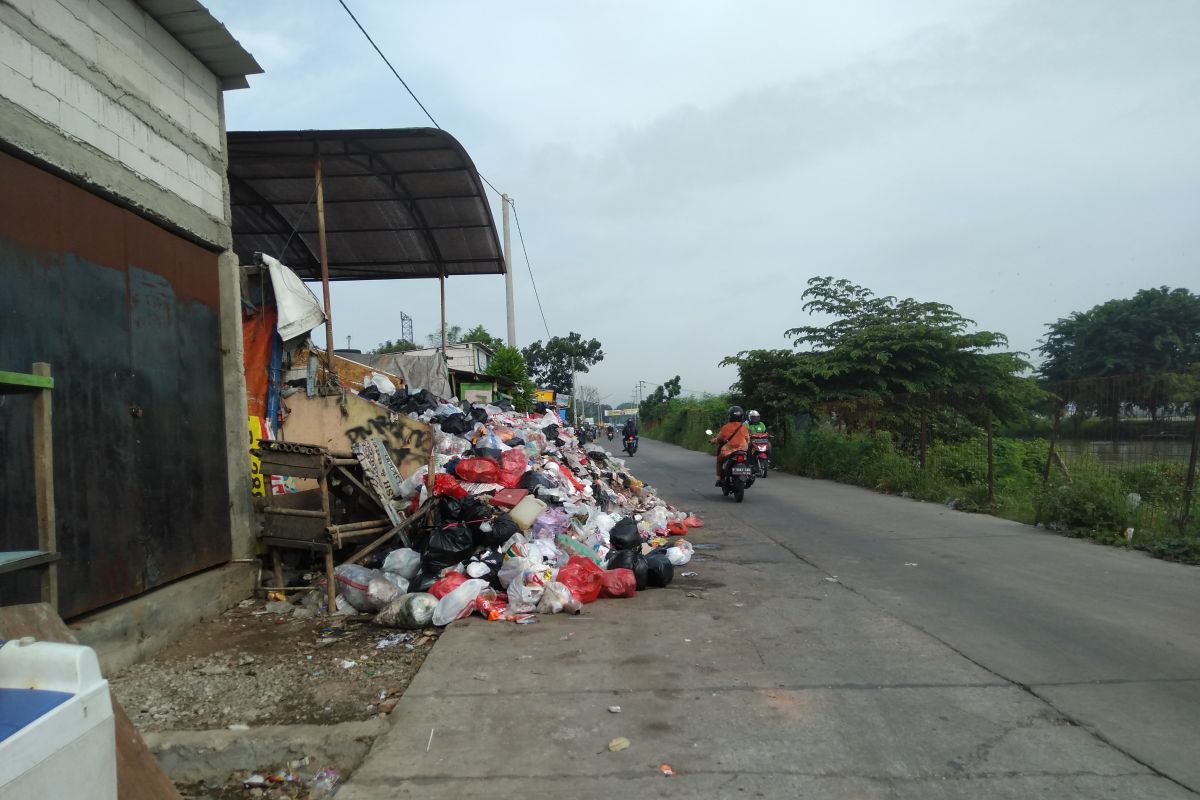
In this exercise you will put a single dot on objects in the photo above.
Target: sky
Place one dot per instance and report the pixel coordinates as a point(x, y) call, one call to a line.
point(682, 167)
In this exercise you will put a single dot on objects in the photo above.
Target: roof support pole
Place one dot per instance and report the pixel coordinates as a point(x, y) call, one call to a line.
point(324, 251)
point(442, 286)
point(508, 279)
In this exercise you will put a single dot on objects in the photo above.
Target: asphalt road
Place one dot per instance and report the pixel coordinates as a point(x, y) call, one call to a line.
point(832, 643)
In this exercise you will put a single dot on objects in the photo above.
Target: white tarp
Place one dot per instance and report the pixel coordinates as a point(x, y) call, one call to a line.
point(299, 309)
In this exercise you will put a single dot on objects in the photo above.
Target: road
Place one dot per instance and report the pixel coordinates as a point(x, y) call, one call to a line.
point(836, 643)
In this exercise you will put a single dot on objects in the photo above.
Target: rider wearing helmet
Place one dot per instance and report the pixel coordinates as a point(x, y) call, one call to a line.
point(757, 428)
point(732, 437)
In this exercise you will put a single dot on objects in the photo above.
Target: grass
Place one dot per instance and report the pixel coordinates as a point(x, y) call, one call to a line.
point(1097, 502)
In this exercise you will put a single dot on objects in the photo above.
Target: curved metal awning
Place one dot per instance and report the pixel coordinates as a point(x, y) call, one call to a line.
point(399, 203)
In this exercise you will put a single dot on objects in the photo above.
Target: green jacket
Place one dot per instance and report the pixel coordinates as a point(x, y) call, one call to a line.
point(757, 427)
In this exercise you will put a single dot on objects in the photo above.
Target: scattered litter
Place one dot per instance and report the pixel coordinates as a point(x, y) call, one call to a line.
point(688, 574)
point(255, 780)
point(618, 744)
point(666, 769)
point(429, 744)
point(614, 709)
point(393, 640)
point(832, 579)
point(693, 594)
point(347, 664)
point(239, 726)
point(911, 564)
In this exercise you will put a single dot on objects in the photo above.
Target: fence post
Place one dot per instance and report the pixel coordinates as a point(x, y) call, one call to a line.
point(1189, 486)
point(923, 436)
point(991, 463)
point(1053, 441)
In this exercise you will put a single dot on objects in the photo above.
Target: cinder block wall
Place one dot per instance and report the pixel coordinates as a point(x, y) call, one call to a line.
point(100, 90)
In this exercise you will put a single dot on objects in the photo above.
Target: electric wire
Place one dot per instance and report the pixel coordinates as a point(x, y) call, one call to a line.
point(492, 186)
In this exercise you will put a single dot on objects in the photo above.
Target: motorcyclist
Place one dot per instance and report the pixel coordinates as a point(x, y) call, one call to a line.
point(757, 427)
point(630, 429)
point(732, 437)
point(609, 429)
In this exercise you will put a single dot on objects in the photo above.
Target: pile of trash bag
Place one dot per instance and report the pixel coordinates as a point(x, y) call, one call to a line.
point(525, 520)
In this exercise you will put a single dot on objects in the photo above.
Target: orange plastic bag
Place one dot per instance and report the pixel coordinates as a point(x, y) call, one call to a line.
point(447, 584)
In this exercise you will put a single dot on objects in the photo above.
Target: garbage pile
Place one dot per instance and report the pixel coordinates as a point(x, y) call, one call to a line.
point(526, 519)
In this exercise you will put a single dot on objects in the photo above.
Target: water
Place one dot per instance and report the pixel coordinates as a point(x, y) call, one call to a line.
point(1114, 454)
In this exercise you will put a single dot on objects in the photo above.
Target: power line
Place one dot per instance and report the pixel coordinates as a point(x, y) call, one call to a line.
point(528, 266)
point(385, 60)
point(492, 186)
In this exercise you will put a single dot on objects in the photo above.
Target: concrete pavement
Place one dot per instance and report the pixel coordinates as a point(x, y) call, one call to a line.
point(766, 676)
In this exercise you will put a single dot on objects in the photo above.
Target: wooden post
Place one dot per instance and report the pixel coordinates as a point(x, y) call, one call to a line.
point(330, 581)
point(324, 255)
point(1189, 487)
point(43, 484)
point(991, 462)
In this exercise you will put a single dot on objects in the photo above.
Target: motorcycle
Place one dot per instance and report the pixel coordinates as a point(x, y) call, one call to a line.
point(737, 474)
point(631, 445)
point(610, 434)
point(760, 450)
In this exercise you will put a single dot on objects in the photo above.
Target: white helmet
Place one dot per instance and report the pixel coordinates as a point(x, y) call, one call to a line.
point(753, 416)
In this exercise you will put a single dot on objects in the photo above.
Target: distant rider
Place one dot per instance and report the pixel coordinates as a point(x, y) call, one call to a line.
point(733, 437)
point(757, 426)
point(630, 429)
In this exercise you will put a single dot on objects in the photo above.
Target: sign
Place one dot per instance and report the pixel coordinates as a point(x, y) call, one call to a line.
point(620, 412)
point(543, 396)
point(476, 392)
point(564, 399)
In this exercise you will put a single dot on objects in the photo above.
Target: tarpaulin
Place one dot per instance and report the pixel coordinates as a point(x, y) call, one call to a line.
point(299, 309)
point(419, 372)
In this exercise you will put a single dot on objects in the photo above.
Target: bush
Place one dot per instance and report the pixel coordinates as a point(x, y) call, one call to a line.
point(1093, 500)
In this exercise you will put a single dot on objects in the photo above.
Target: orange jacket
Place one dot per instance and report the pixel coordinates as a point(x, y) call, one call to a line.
point(732, 437)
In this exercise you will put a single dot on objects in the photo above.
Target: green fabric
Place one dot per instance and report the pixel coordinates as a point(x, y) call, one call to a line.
point(757, 427)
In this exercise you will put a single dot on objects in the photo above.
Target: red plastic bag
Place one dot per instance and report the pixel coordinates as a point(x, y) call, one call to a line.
point(445, 484)
point(694, 522)
point(571, 477)
point(478, 470)
point(618, 583)
point(583, 578)
point(447, 584)
point(676, 528)
point(512, 466)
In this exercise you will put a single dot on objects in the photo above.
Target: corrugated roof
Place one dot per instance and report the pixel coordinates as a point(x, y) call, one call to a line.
point(206, 38)
point(399, 203)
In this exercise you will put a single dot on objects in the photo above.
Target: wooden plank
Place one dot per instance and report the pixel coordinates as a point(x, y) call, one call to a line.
point(43, 481)
point(303, 528)
point(14, 560)
point(24, 382)
point(357, 484)
point(139, 777)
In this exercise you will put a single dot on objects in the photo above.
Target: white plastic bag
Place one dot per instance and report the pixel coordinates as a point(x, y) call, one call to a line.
point(381, 382)
point(353, 582)
point(458, 603)
point(413, 483)
point(513, 568)
point(381, 591)
point(680, 552)
point(557, 598)
point(403, 562)
point(523, 597)
point(399, 581)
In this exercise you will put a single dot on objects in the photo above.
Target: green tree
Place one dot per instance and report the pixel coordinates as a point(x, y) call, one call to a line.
point(1156, 330)
point(552, 364)
point(454, 335)
point(399, 346)
point(480, 334)
point(508, 365)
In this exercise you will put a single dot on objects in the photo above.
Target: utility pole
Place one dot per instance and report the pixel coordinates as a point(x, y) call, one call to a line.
point(508, 280)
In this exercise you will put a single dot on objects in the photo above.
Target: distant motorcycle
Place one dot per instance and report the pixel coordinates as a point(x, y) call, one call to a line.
point(737, 474)
point(610, 434)
point(760, 452)
point(631, 445)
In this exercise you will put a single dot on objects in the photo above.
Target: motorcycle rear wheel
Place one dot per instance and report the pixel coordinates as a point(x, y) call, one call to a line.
point(739, 494)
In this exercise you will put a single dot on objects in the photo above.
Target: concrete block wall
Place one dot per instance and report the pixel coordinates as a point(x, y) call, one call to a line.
point(101, 91)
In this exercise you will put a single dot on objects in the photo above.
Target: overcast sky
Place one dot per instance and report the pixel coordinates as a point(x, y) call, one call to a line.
point(681, 168)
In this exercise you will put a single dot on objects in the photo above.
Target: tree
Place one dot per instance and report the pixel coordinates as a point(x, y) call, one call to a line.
point(553, 364)
point(508, 365)
point(453, 336)
point(880, 348)
point(1156, 330)
point(400, 346)
point(480, 334)
point(654, 405)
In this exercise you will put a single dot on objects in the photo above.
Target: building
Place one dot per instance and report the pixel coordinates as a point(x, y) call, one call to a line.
point(116, 269)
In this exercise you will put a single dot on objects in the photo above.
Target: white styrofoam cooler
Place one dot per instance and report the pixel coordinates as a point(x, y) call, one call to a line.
point(57, 738)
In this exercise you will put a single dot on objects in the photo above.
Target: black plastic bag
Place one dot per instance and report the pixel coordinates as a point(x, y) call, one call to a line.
point(467, 509)
point(516, 441)
point(551, 431)
point(625, 535)
point(370, 393)
point(478, 414)
point(423, 581)
point(534, 479)
point(660, 571)
point(487, 452)
point(485, 565)
point(447, 546)
point(631, 560)
point(495, 532)
point(457, 424)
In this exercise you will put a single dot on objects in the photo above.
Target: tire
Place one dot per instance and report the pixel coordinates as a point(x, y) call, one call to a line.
point(739, 494)
point(765, 469)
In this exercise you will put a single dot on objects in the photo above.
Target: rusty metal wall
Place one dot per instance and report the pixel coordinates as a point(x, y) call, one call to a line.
point(126, 313)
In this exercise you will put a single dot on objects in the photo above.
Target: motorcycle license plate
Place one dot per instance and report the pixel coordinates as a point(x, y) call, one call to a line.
point(741, 469)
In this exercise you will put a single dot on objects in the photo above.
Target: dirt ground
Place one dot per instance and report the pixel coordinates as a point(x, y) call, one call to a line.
point(253, 667)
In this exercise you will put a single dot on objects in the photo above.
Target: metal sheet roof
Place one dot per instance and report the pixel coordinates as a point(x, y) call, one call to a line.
point(207, 39)
point(399, 203)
